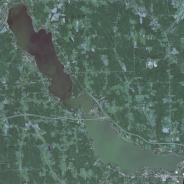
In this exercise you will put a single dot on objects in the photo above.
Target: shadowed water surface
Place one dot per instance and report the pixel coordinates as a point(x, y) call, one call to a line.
point(106, 144)
point(41, 47)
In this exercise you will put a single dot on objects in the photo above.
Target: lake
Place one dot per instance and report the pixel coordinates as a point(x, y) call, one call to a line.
point(109, 147)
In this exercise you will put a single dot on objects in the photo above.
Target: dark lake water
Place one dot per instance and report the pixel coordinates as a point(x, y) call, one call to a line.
point(109, 147)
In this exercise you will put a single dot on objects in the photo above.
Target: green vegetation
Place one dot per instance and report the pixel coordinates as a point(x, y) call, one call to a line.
point(127, 55)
